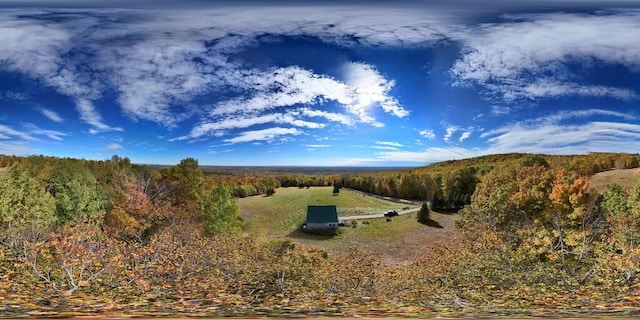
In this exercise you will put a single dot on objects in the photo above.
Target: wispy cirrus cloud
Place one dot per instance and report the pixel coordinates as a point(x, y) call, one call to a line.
point(566, 132)
point(8, 132)
point(237, 121)
point(532, 56)
point(113, 147)
point(34, 130)
point(428, 155)
point(52, 115)
point(384, 147)
point(36, 48)
point(563, 132)
point(268, 135)
point(318, 145)
point(159, 63)
point(500, 110)
point(389, 143)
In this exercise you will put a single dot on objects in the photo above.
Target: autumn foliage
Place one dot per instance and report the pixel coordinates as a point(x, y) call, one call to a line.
point(166, 241)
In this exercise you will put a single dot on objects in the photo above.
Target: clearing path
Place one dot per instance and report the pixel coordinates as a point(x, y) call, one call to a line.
point(379, 215)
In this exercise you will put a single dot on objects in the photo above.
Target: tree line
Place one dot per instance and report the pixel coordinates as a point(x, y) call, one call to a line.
point(128, 201)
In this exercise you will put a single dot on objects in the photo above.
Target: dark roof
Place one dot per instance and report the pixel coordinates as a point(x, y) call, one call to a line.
point(322, 214)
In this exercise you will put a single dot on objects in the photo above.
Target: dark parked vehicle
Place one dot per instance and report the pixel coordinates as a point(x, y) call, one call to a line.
point(391, 213)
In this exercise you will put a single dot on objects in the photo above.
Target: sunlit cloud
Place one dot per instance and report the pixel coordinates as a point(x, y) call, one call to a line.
point(389, 143)
point(245, 121)
point(464, 136)
point(449, 131)
point(428, 133)
point(268, 135)
point(428, 155)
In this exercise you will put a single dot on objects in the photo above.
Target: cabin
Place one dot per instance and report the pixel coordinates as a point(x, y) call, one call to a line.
point(321, 217)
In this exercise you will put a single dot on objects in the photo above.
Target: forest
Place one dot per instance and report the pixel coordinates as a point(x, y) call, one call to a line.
point(111, 237)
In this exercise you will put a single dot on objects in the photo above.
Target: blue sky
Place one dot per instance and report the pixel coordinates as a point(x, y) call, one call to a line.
point(330, 83)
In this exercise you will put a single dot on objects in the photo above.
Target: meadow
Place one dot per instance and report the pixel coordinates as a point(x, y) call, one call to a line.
point(625, 178)
point(398, 241)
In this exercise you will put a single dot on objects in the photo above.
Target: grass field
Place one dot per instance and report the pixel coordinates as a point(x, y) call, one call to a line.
point(396, 242)
point(625, 178)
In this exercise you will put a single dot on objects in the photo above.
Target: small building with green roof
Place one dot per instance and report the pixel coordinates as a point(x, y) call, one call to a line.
point(321, 217)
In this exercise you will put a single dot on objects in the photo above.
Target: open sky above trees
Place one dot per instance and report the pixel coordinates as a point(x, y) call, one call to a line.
point(335, 83)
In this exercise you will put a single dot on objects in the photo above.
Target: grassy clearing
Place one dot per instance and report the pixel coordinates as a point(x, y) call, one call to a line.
point(625, 178)
point(286, 210)
point(393, 242)
point(399, 241)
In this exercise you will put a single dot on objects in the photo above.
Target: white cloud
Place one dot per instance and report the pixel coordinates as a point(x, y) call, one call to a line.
point(465, 135)
point(155, 78)
point(449, 131)
point(35, 48)
point(335, 117)
point(14, 95)
point(428, 155)
point(158, 62)
point(530, 58)
point(245, 121)
point(564, 133)
point(113, 147)
point(268, 135)
point(428, 133)
point(389, 143)
point(317, 145)
point(290, 87)
point(51, 134)
point(89, 114)
point(363, 89)
point(9, 132)
point(500, 110)
point(52, 115)
point(370, 87)
point(384, 147)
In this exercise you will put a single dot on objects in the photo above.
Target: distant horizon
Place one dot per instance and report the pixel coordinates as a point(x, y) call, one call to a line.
point(362, 167)
point(318, 83)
